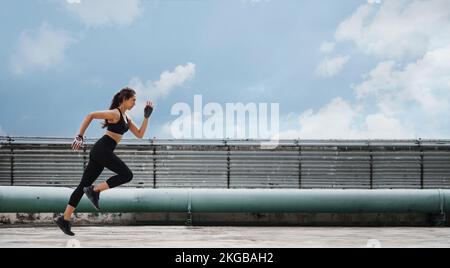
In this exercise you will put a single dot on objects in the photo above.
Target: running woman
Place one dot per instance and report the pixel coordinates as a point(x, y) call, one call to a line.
point(102, 154)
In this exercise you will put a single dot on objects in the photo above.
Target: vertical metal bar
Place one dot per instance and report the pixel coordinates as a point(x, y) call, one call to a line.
point(422, 169)
point(299, 165)
point(11, 146)
point(154, 167)
point(422, 173)
point(228, 165)
point(371, 165)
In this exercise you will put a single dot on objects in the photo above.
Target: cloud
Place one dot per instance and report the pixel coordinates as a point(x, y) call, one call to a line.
point(167, 82)
point(340, 119)
point(392, 102)
point(41, 49)
point(97, 13)
point(406, 94)
point(331, 67)
point(423, 85)
point(327, 47)
point(418, 93)
point(398, 29)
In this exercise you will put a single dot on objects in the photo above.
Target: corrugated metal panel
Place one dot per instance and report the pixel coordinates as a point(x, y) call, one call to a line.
point(436, 169)
point(49, 165)
point(5, 162)
point(255, 168)
point(193, 167)
point(343, 164)
point(329, 167)
point(399, 169)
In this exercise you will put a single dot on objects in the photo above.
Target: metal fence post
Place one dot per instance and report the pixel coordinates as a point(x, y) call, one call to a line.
point(370, 164)
point(154, 167)
point(11, 146)
point(154, 164)
point(299, 164)
point(422, 169)
point(228, 164)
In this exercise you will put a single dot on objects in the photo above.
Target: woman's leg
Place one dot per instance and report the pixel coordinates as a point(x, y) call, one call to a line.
point(101, 187)
point(92, 172)
point(116, 165)
point(111, 161)
point(68, 212)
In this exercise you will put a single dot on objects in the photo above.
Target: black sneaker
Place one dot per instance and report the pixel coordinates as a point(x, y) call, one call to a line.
point(64, 225)
point(93, 196)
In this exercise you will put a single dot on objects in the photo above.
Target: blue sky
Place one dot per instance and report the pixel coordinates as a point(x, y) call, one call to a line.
point(338, 69)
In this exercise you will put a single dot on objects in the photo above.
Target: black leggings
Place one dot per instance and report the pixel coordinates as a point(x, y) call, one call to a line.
point(101, 156)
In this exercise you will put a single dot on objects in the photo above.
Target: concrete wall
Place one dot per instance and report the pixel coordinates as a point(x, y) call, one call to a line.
point(229, 219)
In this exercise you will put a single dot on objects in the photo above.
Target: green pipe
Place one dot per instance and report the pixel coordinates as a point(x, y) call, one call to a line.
point(54, 200)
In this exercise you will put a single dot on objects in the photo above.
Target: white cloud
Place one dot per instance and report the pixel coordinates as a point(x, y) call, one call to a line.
point(407, 94)
point(167, 82)
point(395, 29)
point(341, 120)
point(334, 119)
point(393, 102)
point(96, 13)
point(42, 49)
point(424, 84)
point(331, 67)
point(327, 47)
point(418, 93)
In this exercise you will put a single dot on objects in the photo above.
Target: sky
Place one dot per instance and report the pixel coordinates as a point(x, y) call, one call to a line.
point(348, 69)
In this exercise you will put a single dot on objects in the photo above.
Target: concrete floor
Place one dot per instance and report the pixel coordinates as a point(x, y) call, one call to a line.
point(225, 237)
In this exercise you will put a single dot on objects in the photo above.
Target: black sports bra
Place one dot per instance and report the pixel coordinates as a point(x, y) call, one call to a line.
point(120, 127)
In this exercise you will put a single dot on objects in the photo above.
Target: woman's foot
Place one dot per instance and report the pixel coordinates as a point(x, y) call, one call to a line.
point(64, 225)
point(93, 196)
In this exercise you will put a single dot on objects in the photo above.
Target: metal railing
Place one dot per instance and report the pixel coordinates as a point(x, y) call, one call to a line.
point(299, 164)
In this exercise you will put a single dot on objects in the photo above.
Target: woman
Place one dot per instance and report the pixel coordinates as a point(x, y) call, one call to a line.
point(102, 153)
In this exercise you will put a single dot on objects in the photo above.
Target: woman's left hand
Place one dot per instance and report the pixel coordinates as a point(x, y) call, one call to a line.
point(148, 109)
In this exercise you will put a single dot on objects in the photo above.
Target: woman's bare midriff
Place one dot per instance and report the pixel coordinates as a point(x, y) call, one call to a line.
point(115, 136)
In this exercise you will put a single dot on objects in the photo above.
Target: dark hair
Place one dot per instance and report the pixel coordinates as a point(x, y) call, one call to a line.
point(125, 94)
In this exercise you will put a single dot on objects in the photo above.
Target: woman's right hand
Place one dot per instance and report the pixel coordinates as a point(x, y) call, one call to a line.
point(77, 142)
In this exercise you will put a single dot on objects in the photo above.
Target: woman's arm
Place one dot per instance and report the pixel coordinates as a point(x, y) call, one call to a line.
point(109, 114)
point(79, 139)
point(138, 132)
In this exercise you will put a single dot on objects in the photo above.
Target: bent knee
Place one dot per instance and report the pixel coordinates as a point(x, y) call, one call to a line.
point(128, 176)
